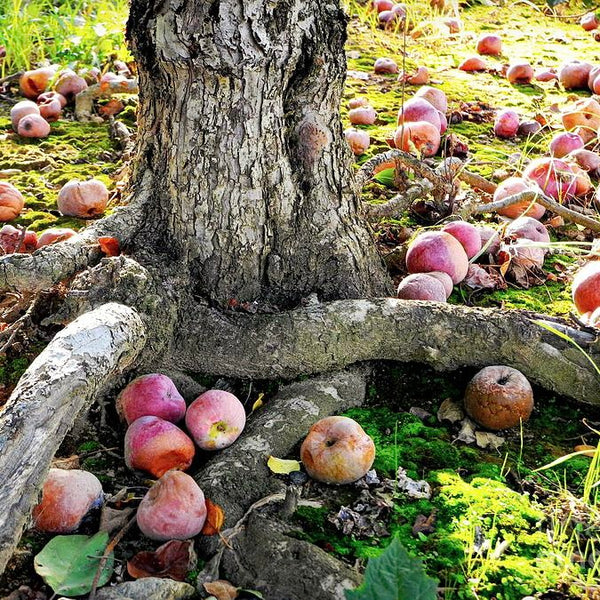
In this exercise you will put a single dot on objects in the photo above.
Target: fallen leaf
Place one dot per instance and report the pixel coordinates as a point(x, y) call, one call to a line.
point(488, 440)
point(112, 107)
point(71, 462)
point(450, 411)
point(467, 431)
point(586, 450)
point(109, 245)
point(281, 466)
point(113, 519)
point(173, 560)
point(221, 589)
point(478, 278)
point(258, 403)
point(215, 517)
point(424, 525)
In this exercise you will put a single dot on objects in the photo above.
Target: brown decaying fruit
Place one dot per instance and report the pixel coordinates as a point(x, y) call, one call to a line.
point(499, 397)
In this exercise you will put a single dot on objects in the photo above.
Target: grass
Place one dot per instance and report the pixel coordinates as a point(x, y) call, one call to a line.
point(70, 32)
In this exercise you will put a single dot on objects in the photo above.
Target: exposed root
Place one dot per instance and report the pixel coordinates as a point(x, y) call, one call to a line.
point(322, 337)
point(61, 382)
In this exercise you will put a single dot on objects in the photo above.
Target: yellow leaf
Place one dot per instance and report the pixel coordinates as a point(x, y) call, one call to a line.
point(282, 466)
point(258, 403)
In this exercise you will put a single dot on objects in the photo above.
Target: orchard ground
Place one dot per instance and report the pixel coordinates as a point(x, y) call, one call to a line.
point(493, 527)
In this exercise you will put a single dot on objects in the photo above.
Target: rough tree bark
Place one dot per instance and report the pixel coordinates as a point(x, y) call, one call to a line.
point(242, 190)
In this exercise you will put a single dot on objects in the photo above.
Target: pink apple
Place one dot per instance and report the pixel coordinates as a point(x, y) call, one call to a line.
point(153, 394)
point(174, 508)
point(506, 123)
point(519, 73)
point(155, 446)
point(473, 63)
point(67, 498)
point(22, 109)
point(215, 419)
point(55, 234)
point(528, 228)
point(573, 75)
point(419, 137)
point(553, 175)
point(83, 199)
point(10, 237)
point(437, 251)
point(490, 239)
point(33, 126)
point(444, 279)
point(529, 127)
point(436, 97)
point(420, 77)
point(337, 450)
point(363, 115)
point(419, 109)
point(421, 286)
point(586, 159)
point(467, 234)
point(545, 75)
point(357, 102)
point(381, 5)
point(385, 66)
point(359, 141)
point(565, 142)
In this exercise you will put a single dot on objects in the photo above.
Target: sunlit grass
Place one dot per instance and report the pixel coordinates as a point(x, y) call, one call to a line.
point(72, 32)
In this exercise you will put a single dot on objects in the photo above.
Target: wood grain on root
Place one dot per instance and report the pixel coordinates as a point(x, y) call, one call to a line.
point(60, 383)
point(322, 337)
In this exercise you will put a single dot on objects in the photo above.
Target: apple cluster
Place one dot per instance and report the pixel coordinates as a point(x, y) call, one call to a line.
point(390, 14)
point(174, 507)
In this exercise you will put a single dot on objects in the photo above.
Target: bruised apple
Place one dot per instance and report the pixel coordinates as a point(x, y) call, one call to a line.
point(34, 82)
point(154, 395)
point(68, 496)
point(489, 44)
point(359, 141)
point(50, 108)
point(215, 419)
point(362, 115)
point(337, 450)
point(436, 97)
point(437, 251)
point(55, 234)
point(11, 201)
point(506, 123)
point(22, 109)
point(584, 118)
point(83, 199)
point(586, 159)
point(589, 21)
point(421, 286)
point(499, 397)
point(385, 66)
point(174, 508)
point(553, 175)
point(420, 136)
point(33, 126)
point(10, 240)
point(69, 84)
point(586, 287)
point(155, 446)
point(519, 73)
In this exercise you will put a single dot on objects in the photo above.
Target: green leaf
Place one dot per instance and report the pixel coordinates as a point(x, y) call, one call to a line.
point(68, 563)
point(385, 177)
point(395, 575)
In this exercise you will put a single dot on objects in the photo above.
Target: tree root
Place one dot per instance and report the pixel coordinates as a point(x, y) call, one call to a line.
point(323, 337)
point(51, 264)
point(62, 381)
point(240, 482)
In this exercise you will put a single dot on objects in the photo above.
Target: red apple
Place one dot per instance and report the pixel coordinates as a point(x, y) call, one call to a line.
point(155, 446)
point(55, 234)
point(50, 109)
point(419, 109)
point(489, 44)
point(173, 508)
point(573, 75)
point(83, 199)
point(528, 228)
point(499, 397)
point(420, 77)
point(467, 234)
point(363, 115)
point(594, 72)
point(215, 419)
point(586, 287)
point(337, 450)
point(519, 73)
point(359, 141)
point(381, 5)
point(453, 25)
point(444, 279)
point(10, 237)
point(565, 142)
point(490, 239)
point(33, 126)
point(151, 395)
point(418, 137)
point(553, 175)
point(545, 75)
point(69, 84)
point(511, 187)
point(589, 21)
point(22, 109)
point(506, 123)
point(473, 63)
point(437, 251)
point(67, 498)
point(11, 201)
point(530, 127)
point(436, 97)
point(421, 286)
point(385, 65)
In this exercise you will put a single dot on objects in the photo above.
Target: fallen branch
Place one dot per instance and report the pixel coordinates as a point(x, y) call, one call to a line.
point(399, 203)
point(61, 382)
point(532, 196)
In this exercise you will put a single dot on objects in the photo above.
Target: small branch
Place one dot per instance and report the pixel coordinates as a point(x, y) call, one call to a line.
point(84, 101)
point(533, 196)
point(107, 552)
point(456, 168)
point(404, 158)
point(399, 203)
